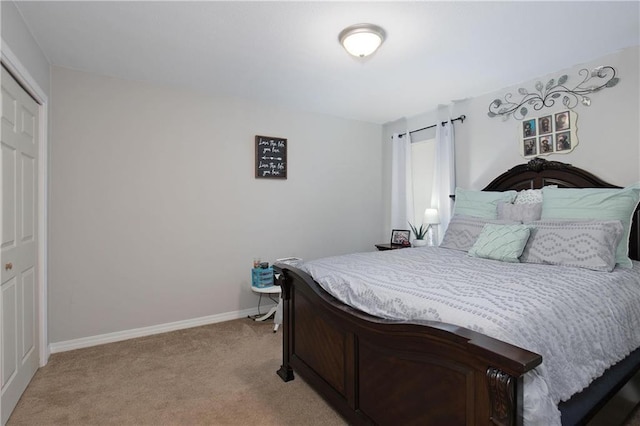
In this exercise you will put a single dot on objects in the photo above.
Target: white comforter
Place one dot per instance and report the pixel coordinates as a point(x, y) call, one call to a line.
point(580, 321)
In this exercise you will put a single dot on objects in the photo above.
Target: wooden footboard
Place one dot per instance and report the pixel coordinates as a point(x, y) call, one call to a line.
point(375, 371)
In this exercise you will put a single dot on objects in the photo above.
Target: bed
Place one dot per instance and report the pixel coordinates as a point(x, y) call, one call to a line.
point(376, 370)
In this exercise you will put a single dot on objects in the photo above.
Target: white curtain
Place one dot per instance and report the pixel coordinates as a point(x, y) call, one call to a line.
point(401, 182)
point(444, 179)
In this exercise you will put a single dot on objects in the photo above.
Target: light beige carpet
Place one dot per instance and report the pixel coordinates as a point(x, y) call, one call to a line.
point(220, 374)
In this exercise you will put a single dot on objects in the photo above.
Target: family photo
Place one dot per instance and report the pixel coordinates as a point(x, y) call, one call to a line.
point(530, 147)
point(562, 121)
point(563, 142)
point(552, 133)
point(400, 237)
point(529, 128)
point(545, 125)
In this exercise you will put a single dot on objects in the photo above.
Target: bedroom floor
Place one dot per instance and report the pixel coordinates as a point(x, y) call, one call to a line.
point(217, 374)
point(615, 411)
point(222, 373)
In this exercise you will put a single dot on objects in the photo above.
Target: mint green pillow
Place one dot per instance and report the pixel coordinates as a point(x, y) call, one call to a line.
point(595, 203)
point(481, 203)
point(501, 242)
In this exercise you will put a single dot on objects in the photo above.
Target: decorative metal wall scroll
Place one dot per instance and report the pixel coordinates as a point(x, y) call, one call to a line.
point(546, 95)
point(548, 134)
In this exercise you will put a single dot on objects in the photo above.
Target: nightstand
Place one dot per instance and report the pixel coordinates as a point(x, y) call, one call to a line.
point(383, 247)
point(263, 283)
point(270, 291)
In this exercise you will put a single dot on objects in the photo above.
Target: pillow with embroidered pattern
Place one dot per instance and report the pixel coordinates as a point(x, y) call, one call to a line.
point(595, 203)
point(589, 244)
point(463, 231)
point(531, 196)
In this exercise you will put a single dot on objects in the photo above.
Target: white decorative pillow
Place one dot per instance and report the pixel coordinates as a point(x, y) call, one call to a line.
point(501, 242)
point(480, 203)
point(589, 244)
point(463, 231)
point(531, 196)
point(520, 212)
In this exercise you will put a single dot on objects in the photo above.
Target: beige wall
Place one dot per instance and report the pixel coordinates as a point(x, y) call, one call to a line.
point(155, 212)
point(17, 37)
point(153, 200)
point(608, 130)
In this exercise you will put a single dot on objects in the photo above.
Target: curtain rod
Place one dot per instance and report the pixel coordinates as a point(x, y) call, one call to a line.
point(461, 119)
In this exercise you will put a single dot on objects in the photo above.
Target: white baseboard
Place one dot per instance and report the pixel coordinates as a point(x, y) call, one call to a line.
point(101, 339)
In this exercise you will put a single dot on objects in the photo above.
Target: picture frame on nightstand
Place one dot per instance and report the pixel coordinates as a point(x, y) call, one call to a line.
point(400, 237)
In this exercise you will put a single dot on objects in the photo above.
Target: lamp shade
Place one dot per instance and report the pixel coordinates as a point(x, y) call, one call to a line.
point(431, 217)
point(361, 39)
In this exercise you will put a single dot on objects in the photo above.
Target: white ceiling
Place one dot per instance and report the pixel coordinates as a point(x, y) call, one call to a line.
point(287, 53)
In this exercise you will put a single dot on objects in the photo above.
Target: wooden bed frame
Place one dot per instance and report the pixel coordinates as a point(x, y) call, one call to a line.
point(377, 371)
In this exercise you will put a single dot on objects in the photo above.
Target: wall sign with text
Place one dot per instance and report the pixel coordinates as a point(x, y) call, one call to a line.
point(271, 157)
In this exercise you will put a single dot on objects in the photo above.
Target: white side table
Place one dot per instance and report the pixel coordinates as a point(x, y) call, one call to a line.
point(269, 290)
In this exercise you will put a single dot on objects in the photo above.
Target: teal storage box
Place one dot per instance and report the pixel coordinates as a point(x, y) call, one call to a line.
point(262, 277)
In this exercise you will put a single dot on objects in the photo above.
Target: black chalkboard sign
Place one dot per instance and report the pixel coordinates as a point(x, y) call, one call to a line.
point(271, 157)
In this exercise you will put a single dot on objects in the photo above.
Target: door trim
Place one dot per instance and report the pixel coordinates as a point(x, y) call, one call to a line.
point(26, 80)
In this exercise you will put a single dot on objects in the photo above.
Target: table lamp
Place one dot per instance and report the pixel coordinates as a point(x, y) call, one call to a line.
point(432, 219)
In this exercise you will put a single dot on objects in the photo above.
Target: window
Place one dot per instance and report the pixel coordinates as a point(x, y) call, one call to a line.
point(423, 156)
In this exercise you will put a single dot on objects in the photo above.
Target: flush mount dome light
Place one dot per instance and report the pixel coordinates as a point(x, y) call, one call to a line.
point(361, 39)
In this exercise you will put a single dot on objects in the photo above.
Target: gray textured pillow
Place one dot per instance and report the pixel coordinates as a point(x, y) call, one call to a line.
point(520, 212)
point(589, 244)
point(463, 231)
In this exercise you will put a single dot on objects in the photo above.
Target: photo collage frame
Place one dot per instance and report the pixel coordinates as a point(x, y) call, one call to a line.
point(553, 133)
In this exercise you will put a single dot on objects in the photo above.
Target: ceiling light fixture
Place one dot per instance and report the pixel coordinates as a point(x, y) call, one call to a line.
point(361, 40)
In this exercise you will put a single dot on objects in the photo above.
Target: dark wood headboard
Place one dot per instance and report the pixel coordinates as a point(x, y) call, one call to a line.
point(539, 172)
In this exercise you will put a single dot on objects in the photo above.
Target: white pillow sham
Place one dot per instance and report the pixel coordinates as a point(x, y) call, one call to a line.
point(531, 196)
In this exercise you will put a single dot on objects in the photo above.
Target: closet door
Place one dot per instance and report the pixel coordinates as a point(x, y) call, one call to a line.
point(18, 249)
